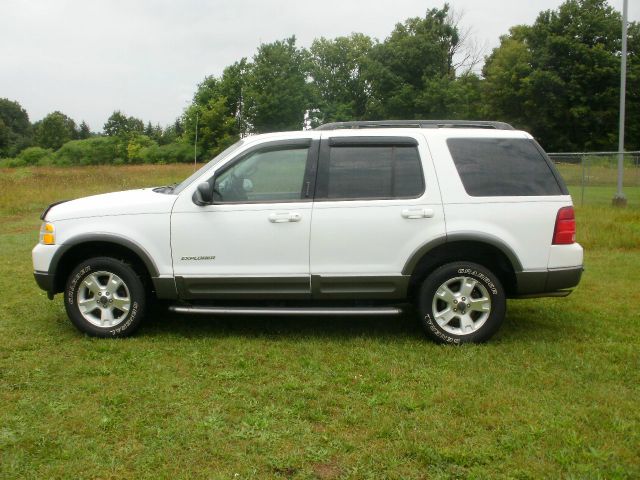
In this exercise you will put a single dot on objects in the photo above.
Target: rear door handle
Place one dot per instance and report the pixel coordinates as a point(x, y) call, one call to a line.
point(414, 213)
point(283, 217)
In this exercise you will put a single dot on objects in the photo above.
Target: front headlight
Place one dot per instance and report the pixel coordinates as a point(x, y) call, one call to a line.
point(47, 234)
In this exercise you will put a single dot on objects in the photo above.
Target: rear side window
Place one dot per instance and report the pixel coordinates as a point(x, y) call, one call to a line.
point(491, 167)
point(372, 172)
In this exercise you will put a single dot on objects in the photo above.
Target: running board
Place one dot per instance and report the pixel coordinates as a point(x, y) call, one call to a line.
point(314, 311)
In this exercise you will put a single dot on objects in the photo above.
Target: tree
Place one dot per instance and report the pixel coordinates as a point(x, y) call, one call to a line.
point(54, 130)
point(633, 88)
point(559, 78)
point(506, 72)
point(178, 128)
point(399, 69)
point(338, 77)
point(277, 93)
point(15, 128)
point(117, 124)
point(5, 135)
point(459, 98)
point(168, 135)
point(120, 125)
point(84, 131)
point(148, 130)
point(232, 86)
point(217, 110)
point(217, 127)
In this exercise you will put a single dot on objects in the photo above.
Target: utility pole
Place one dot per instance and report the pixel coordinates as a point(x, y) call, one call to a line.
point(195, 146)
point(620, 200)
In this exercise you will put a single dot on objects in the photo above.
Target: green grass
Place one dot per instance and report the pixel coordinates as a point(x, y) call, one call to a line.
point(554, 394)
point(600, 183)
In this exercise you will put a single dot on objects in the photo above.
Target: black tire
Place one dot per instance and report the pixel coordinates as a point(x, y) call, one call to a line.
point(469, 323)
point(131, 288)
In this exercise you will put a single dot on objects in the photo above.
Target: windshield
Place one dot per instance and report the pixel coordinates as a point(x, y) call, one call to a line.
point(224, 154)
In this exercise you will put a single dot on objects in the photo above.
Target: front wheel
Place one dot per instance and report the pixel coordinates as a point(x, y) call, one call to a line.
point(462, 302)
point(105, 297)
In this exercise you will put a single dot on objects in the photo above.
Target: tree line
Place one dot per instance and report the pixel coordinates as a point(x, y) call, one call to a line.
point(557, 78)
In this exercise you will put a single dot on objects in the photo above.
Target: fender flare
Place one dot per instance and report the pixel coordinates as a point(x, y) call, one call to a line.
point(486, 238)
point(106, 238)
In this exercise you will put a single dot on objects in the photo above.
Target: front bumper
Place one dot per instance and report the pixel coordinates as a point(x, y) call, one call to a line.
point(42, 257)
point(548, 283)
point(43, 267)
point(46, 282)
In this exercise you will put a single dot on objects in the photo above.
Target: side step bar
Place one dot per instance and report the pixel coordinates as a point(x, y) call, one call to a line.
point(312, 311)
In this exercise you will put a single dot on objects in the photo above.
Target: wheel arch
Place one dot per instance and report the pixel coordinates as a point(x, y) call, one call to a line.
point(483, 249)
point(95, 245)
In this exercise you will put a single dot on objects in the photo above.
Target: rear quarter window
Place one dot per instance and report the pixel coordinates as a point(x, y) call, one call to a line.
point(491, 167)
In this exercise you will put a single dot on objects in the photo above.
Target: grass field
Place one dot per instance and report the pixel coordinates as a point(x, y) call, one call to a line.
point(600, 183)
point(555, 394)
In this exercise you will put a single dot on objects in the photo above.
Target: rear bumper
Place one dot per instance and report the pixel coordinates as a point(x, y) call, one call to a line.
point(552, 283)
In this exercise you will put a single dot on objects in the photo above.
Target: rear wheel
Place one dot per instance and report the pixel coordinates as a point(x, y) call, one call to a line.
point(105, 297)
point(462, 302)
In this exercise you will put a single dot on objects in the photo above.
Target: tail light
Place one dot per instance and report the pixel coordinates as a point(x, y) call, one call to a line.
point(564, 232)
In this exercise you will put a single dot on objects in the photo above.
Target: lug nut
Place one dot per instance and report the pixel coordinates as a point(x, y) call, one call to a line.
point(456, 301)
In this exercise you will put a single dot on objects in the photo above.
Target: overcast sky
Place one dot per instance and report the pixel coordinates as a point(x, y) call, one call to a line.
point(87, 58)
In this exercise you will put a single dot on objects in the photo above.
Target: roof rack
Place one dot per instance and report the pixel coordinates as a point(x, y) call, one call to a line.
point(415, 124)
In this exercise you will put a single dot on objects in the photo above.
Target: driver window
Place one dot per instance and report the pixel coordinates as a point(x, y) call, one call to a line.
point(264, 176)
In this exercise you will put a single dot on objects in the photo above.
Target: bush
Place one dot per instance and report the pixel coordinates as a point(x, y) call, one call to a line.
point(171, 153)
point(11, 163)
point(33, 155)
point(92, 151)
point(103, 151)
point(135, 147)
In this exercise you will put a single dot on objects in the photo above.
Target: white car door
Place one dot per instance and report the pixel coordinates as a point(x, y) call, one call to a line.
point(377, 203)
point(252, 242)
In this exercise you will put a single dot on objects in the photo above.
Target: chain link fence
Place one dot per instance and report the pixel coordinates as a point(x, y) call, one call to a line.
point(592, 177)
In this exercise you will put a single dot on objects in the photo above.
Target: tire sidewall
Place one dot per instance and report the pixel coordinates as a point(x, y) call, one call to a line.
point(457, 269)
point(133, 283)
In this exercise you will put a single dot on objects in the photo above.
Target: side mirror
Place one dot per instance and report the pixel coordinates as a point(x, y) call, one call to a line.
point(203, 194)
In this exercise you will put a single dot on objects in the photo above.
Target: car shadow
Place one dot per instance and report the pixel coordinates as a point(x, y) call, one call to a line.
point(162, 322)
point(405, 325)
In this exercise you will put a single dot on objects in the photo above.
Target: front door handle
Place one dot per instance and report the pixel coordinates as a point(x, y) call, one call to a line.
point(414, 213)
point(283, 217)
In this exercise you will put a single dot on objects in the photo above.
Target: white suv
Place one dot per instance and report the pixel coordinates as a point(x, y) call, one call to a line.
point(356, 218)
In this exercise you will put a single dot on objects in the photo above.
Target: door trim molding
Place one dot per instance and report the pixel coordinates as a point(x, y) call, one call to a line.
point(254, 288)
point(352, 287)
point(317, 287)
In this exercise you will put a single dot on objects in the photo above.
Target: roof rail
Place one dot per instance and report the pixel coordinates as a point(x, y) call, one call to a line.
point(415, 124)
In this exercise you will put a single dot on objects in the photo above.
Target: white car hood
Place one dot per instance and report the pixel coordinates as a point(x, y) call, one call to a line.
point(129, 202)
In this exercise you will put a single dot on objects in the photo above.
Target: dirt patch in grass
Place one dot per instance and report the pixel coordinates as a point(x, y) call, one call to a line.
point(327, 470)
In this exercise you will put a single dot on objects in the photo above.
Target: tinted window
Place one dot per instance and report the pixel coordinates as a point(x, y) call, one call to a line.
point(264, 176)
point(373, 172)
point(492, 167)
point(228, 151)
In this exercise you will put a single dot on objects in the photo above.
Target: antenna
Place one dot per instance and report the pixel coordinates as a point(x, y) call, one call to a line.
point(239, 114)
point(195, 146)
